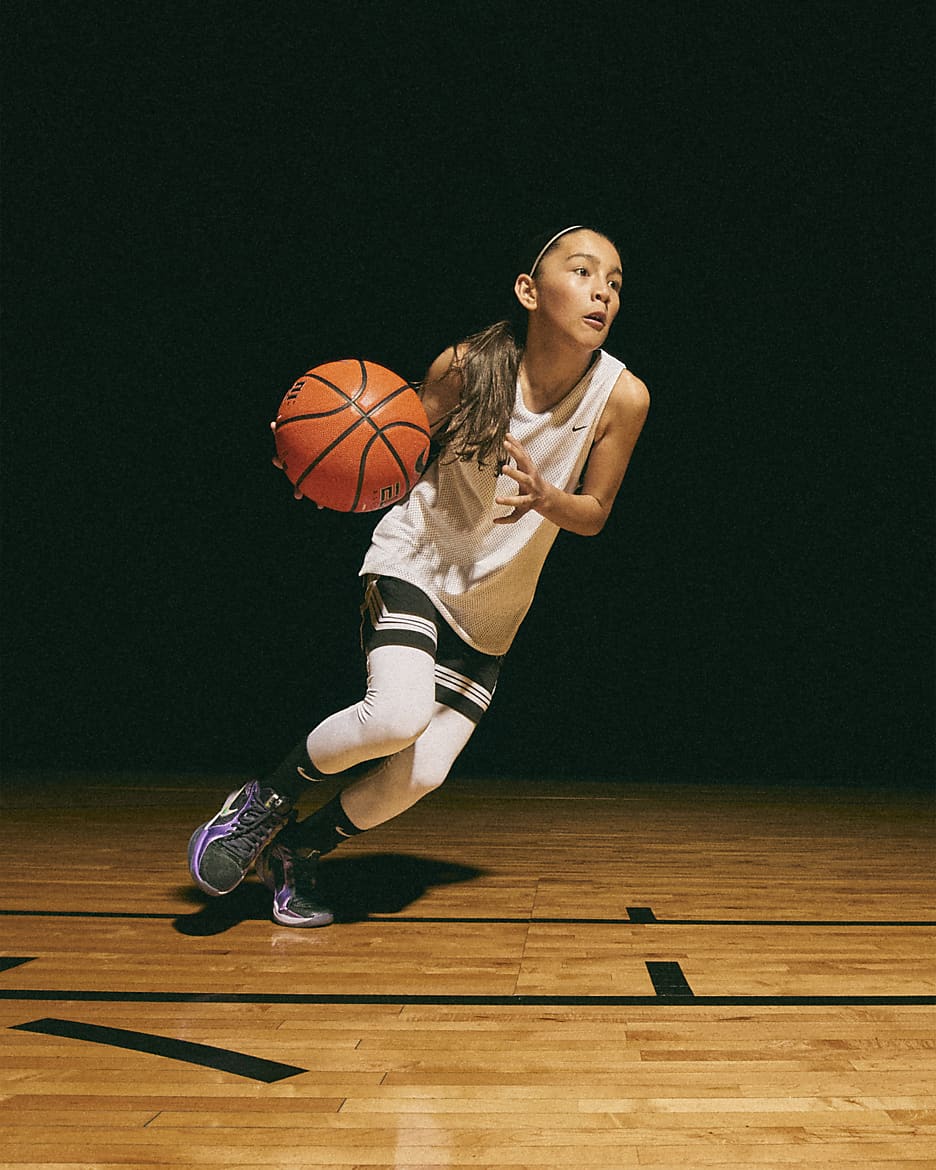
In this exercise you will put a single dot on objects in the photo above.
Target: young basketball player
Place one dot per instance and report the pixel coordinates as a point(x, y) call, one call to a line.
point(533, 437)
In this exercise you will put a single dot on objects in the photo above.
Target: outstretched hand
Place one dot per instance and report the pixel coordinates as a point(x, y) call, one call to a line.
point(532, 489)
point(277, 462)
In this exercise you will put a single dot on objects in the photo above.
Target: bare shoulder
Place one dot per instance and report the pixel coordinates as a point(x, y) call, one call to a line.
point(630, 393)
point(442, 386)
point(627, 405)
point(443, 366)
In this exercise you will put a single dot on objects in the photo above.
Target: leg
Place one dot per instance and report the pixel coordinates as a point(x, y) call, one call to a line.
point(288, 865)
point(394, 712)
point(464, 686)
point(411, 774)
point(399, 635)
point(465, 680)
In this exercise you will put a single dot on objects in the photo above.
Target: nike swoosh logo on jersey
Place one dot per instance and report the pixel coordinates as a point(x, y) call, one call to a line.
point(581, 428)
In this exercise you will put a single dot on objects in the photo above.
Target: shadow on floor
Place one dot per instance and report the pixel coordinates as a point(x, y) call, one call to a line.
point(354, 888)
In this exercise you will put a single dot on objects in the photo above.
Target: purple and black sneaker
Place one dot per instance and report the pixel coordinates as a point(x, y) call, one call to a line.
point(222, 850)
point(291, 878)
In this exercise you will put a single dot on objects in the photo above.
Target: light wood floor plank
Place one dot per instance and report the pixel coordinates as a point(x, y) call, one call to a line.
point(776, 892)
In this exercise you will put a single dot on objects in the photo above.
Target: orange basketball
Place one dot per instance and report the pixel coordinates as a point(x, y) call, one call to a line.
point(352, 436)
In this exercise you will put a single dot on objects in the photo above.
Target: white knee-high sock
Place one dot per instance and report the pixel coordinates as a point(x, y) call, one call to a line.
point(393, 713)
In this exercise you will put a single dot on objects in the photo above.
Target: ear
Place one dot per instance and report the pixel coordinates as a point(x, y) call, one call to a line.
point(525, 291)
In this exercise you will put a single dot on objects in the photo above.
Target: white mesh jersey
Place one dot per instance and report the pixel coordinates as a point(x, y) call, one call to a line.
point(482, 576)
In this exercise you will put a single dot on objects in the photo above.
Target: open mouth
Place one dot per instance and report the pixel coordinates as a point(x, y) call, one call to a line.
point(597, 320)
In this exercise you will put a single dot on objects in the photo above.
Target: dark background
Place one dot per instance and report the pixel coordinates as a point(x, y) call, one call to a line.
point(202, 200)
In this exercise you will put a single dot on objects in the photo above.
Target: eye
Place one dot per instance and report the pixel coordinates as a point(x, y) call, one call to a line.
point(615, 284)
point(581, 271)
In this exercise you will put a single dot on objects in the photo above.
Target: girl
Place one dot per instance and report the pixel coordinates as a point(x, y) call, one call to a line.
point(532, 438)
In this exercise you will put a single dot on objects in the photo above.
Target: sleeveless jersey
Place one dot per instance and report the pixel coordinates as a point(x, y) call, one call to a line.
point(482, 576)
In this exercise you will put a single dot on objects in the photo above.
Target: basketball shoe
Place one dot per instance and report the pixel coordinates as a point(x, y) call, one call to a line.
point(291, 878)
point(222, 850)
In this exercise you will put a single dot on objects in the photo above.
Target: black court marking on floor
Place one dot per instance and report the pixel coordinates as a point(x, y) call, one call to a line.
point(668, 979)
point(222, 1059)
point(636, 916)
point(8, 962)
point(64, 995)
point(641, 914)
point(633, 920)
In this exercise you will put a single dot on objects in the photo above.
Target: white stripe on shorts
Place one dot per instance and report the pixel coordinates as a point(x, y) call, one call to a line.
point(383, 619)
point(452, 681)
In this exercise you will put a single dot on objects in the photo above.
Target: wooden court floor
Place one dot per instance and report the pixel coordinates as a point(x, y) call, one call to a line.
point(526, 974)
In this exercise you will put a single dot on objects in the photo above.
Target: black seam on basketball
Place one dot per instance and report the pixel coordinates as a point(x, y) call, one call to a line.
point(280, 423)
point(362, 468)
point(366, 414)
point(382, 434)
point(349, 401)
point(389, 397)
point(327, 451)
point(379, 429)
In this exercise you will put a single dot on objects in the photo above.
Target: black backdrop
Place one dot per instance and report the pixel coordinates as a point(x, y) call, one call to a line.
point(204, 199)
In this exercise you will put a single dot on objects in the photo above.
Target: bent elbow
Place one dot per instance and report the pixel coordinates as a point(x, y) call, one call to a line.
point(599, 519)
point(594, 525)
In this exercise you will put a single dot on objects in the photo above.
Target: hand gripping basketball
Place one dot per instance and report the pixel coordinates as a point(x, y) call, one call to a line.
point(352, 436)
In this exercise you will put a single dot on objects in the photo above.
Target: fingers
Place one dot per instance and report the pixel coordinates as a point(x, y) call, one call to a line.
point(516, 451)
point(520, 504)
point(277, 462)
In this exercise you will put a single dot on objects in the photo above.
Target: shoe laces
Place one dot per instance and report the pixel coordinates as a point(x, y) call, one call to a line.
point(255, 826)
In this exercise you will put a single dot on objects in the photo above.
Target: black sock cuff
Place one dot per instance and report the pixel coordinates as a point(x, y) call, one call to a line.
point(324, 830)
point(291, 777)
point(342, 821)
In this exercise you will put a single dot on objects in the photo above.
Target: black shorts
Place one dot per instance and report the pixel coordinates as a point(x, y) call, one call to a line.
point(395, 613)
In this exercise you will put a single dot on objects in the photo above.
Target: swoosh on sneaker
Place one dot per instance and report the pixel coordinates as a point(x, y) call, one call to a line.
point(228, 806)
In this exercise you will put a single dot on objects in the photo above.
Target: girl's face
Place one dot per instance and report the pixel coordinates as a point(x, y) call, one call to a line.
point(577, 287)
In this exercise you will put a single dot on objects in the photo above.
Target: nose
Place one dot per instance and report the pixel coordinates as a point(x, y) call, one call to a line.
point(602, 293)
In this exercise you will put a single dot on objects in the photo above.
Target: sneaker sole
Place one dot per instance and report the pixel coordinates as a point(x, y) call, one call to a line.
point(198, 843)
point(285, 918)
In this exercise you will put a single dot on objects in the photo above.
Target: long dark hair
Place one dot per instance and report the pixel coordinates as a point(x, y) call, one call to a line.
point(489, 363)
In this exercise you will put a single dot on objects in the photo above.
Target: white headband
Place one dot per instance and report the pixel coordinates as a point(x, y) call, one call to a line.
point(565, 231)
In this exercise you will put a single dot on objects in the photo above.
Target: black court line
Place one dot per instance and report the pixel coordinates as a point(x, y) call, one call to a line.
point(222, 1059)
point(8, 962)
point(636, 916)
point(631, 920)
point(82, 914)
point(63, 995)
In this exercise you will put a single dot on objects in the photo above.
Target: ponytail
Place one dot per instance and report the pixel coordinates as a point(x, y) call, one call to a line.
point(489, 363)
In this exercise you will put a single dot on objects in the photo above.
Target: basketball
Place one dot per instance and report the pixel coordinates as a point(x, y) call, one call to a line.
point(352, 436)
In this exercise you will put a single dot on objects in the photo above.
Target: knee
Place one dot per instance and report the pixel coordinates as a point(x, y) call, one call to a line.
point(424, 782)
point(396, 721)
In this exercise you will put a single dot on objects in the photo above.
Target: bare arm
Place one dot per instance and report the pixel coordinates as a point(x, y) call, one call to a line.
point(585, 512)
point(441, 389)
